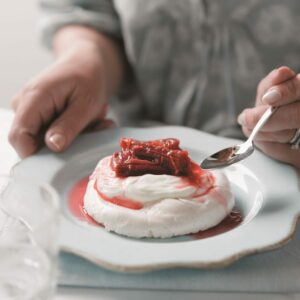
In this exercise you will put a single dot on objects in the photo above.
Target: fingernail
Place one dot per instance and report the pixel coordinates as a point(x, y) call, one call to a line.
point(58, 141)
point(271, 97)
point(242, 119)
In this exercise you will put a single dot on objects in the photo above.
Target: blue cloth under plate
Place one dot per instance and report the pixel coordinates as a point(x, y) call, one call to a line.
point(273, 271)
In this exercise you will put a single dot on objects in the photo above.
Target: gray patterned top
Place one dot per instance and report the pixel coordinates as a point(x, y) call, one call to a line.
point(195, 62)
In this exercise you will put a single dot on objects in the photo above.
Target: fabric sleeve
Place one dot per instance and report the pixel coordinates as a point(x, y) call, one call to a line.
point(98, 14)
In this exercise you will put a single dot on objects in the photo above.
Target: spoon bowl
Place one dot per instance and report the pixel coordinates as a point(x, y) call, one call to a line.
point(234, 154)
point(227, 156)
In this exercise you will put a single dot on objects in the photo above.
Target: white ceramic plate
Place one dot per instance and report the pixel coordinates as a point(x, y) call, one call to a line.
point(265, 191)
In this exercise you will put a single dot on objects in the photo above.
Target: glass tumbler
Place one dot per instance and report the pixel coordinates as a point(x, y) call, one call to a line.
point(29, 222)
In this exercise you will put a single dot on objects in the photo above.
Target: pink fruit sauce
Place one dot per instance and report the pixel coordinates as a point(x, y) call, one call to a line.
point(75, 201)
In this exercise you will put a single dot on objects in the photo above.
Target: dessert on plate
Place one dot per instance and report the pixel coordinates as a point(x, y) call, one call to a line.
point(154, 189)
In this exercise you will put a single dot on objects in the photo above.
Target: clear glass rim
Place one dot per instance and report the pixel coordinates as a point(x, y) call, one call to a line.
point(55, 199)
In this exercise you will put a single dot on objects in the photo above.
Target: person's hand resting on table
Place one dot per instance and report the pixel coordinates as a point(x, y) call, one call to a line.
point(279, 88)
point(69, 96)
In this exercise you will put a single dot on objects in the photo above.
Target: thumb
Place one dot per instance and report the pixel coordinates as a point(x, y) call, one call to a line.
point(283, 93)
point(274, 78)
point(69, 124)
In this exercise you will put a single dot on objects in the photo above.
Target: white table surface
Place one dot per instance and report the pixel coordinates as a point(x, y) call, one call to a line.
point(9, 157)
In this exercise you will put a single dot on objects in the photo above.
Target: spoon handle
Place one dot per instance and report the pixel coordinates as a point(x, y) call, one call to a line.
point(268, 113)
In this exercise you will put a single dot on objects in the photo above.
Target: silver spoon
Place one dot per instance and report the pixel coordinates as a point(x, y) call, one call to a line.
point(234, 154)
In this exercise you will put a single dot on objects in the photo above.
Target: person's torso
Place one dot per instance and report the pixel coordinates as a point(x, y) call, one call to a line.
point(198, 63)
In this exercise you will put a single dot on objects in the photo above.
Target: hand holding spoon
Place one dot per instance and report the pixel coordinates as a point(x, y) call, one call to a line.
point(234, 154)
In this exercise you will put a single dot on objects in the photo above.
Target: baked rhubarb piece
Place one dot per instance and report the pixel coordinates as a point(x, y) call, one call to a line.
point(152, 157)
